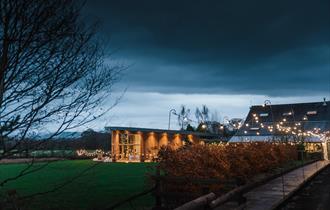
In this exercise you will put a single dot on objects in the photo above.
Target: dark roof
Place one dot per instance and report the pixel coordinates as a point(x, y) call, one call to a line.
point(311, 139)
point(136, 129)
point(309, 115)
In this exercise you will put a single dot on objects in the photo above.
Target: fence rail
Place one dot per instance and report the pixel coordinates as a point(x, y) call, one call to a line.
point(235, 195)
point(167, 198)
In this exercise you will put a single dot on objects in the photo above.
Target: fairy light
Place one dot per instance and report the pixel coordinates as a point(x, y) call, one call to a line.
point(85, 153)
point(284, 126)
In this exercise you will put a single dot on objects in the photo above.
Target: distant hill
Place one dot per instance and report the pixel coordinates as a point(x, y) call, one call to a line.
point(65, 135)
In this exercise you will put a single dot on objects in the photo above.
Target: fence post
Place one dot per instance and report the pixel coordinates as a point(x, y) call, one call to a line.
point(303, 166)
point(205, 190)
point(241, 199)
point(282, 176)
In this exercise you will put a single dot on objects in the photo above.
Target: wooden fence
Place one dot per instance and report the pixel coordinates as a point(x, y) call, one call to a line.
point(234, 197)
point(171, 192)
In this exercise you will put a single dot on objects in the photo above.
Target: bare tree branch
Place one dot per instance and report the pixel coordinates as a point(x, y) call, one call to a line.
point(52, 69)
point(52, 73)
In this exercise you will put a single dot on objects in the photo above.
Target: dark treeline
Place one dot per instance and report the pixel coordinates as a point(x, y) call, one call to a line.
point(89, 140)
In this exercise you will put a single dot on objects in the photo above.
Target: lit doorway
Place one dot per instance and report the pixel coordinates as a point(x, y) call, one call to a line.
point(129, 147)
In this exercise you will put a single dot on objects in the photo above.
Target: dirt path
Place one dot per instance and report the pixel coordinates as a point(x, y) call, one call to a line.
point(314, 196)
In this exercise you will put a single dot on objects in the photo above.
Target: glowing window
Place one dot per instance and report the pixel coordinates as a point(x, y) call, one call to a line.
point(311, 112)
point(263, 114)
point(287, 113)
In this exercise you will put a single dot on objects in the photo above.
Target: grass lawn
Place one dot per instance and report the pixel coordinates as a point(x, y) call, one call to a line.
point(98, 188)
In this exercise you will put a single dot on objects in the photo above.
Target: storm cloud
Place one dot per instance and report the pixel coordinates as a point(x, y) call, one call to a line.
point(273, 48)
point(228, 55)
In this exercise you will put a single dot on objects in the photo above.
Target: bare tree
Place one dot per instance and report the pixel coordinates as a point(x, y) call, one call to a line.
point(198, 115)
point(202, 115)
point(52, 72)
point(215, 116)
point(51, 69)
point(183, 117)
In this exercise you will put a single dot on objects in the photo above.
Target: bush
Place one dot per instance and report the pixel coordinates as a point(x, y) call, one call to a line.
point(230, 162)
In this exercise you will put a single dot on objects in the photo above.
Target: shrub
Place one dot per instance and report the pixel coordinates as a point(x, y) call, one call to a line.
point(227, 163)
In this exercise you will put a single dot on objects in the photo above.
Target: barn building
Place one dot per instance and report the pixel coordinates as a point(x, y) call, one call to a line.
point(305, 122)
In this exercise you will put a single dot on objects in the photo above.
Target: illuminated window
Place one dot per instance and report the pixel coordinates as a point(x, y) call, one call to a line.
point(254, 129)
point(287, 113)
point(263, 115)
point(311, 112)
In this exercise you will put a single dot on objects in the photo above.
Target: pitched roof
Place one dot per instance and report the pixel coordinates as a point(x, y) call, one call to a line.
point(310, 116)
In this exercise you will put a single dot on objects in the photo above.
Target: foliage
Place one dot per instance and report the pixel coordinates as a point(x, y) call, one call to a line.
point(202, 127)
point(94, 140)
point(190, 128)
point(229, 162)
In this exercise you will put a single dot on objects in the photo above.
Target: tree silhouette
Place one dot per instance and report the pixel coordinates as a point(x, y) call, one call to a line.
point(52, 73)
point(51, 70)
point(183, 117)
point(202, 115)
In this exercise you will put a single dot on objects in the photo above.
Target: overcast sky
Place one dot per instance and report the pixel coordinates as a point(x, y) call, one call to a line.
point(225, 54)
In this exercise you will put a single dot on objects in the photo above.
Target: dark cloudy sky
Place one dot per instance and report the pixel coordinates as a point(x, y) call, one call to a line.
point(225, 54)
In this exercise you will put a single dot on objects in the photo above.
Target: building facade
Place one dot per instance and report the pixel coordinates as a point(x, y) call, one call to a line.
point(142, 144)
point(300, 122)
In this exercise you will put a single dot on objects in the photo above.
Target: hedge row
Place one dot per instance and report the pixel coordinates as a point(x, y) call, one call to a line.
point(236, 162)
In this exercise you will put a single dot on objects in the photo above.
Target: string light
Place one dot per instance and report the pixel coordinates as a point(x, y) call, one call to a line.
point(287, 128)
point(85, 153)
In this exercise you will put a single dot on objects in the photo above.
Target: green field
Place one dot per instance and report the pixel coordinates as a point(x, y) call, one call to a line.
point(98, 188)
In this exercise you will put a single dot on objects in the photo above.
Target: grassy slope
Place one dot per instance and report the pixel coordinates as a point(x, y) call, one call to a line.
point(102, 186)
